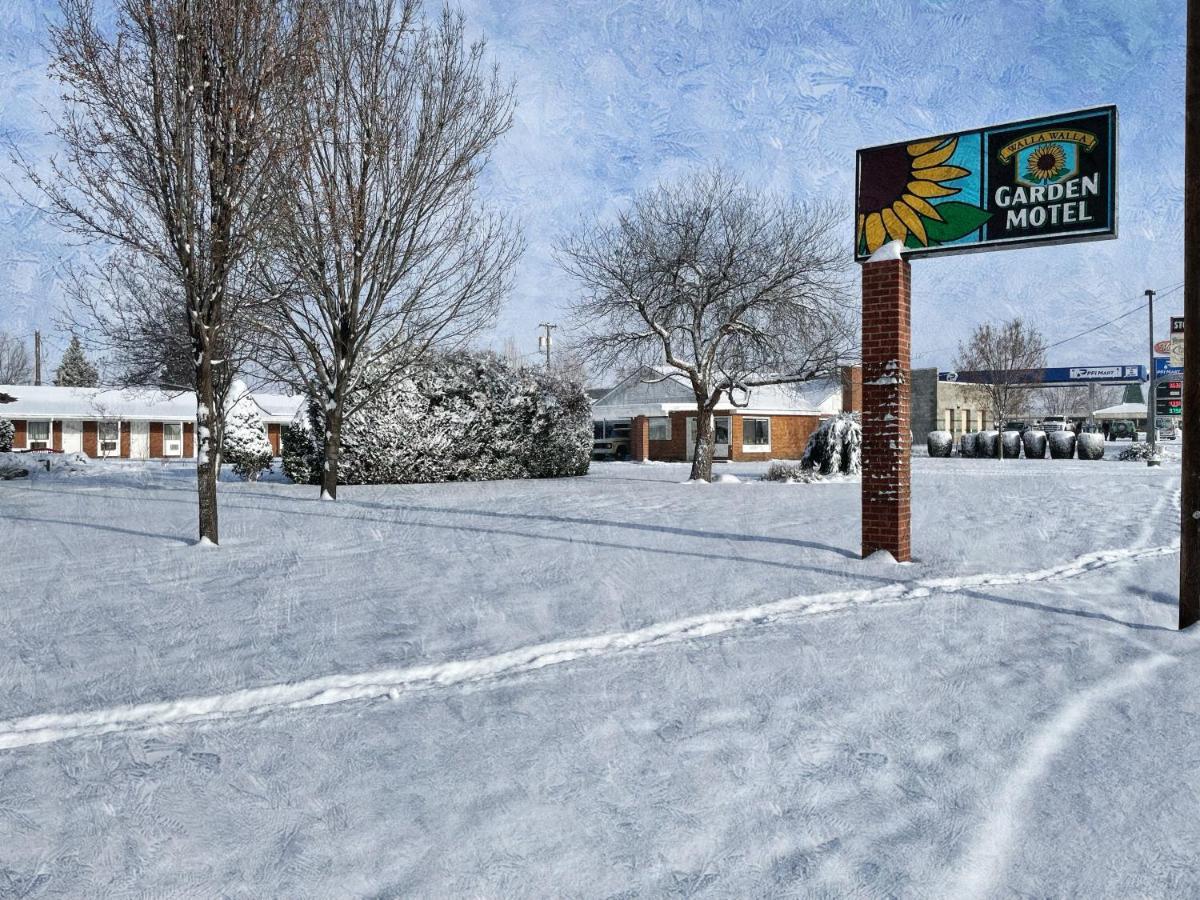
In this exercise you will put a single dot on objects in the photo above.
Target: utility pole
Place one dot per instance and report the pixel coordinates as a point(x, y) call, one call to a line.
point(1189, 528)
point(37, 357)
point(1151, 398)
point(544, 341)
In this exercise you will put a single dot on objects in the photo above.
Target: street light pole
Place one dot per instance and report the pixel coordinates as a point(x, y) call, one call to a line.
point(1189, 528)
point(1151, 399)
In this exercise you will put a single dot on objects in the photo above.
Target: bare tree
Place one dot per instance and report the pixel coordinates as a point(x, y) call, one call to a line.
point(1006, 352)
point(15, 367)
point(732, 289)
point(174, 119)
point(383, 250)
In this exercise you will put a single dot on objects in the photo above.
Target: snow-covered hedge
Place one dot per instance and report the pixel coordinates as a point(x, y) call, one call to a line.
point(7, 430)
point(245, 447)
point(1062, 444)
point(466, 417)
point(1089, 446)
point(987, 444)
point(966, 444)
point(1138, 453)
point(1011, 441)
point(790, 473)
point(835, 448)
point(1035, 444)
point(939, 443)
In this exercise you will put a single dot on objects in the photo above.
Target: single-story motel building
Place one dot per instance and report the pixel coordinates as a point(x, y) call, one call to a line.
point(656, 409)
point(134, 423)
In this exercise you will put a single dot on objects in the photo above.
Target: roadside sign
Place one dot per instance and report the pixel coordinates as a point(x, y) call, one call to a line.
point(1047, 180)
point(1162, 348)
point(1164, 368)
point(1168, 407)
point(1054, 375)
point(1177, 341)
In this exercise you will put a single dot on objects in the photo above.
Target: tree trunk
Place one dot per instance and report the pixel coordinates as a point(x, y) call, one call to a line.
point(333, 445)
point(208, 456)
point(702, 460)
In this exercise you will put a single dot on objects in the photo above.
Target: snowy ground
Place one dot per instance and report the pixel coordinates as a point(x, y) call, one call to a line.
point(618, 685)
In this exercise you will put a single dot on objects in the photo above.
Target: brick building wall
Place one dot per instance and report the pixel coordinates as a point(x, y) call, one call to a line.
point(19, 433)
point(156, 440)
point(56, 441)
point(124, 440)
point(189, 439)
point(90, 438)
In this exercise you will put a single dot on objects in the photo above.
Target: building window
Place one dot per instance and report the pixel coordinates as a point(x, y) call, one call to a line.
point(38, 435)
point(756, 434)
point(660, 428)
point(172, 439)
point(110, 437)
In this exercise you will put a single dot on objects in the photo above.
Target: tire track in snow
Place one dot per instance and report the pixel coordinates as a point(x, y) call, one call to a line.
point(394, 683)
point(984, 861)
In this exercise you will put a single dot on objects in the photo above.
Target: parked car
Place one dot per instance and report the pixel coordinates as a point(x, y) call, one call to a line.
point(1167, 430)
point(1017, 426)
point(1057, 423)
point(1090, 428)
point(610, 440)
point(1121, 429)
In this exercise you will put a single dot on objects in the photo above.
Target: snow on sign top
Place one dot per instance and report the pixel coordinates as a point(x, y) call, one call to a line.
point(1046, 180)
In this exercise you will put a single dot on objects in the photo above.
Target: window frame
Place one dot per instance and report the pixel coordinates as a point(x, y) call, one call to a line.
point(165, 426)
point(48, 440)
point(665, 426)
point(756, 448)
point(100, 440)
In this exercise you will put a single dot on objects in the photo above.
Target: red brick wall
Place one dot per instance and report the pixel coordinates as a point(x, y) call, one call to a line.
point(639, 439)
point(852, 389)
point(57, 437)
point(189, 440)
point(789, 435)
point(886, 401)
point(19, 434)
point(125, 440)
point(156, 440)
point(273, 436)
point(90, 443)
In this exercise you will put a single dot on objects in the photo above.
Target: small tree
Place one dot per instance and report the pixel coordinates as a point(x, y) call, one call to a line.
point(1006, 352)
point(383, 250)
point(15, 367)
point(246, 447)
point(75, 370)
point(731, 288)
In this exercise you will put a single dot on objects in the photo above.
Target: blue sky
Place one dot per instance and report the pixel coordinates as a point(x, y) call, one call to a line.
point(616, 96)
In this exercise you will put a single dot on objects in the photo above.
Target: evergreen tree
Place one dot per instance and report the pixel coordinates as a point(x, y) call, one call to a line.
point(74, 370)
point(7, 430)
point(245, 446)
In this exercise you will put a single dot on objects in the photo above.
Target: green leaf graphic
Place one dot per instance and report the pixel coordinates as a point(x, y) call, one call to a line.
point(960, 219)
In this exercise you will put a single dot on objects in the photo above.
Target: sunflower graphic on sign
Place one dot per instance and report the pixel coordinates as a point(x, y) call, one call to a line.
point(904, 191)
point(1047, 163)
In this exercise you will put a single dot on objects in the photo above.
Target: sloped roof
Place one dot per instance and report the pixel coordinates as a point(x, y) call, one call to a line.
point(656, 390)
point(142, 404)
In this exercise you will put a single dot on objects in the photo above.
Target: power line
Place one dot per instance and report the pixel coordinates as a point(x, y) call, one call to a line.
point(1123, 315)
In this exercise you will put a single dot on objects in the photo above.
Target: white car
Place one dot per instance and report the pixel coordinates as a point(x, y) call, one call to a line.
point(1057, 423)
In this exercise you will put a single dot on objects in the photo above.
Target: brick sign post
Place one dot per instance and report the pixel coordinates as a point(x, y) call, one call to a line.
point(886, 396)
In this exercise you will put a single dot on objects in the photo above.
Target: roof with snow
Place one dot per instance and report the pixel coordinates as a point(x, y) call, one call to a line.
point(1122, 411)
point(140, 404)
point(658, 390)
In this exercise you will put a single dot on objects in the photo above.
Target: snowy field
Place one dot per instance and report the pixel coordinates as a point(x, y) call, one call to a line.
point(618, 685)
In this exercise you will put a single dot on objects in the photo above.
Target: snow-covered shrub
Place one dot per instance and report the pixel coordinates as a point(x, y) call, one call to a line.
point(466, 417)
point(1062, 444)
point(939, 443)
point(1089, 446)
point(835, 448)
point(967, 444)
point(1138, 453)
point(300, 453)
point(246, 447)
point(1011, 441)
point(987, 444)
point(7, 430)
point(1035, 444)
point(789, 473)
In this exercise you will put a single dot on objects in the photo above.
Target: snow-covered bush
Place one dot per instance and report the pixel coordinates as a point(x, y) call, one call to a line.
point(7, 430)
point(1138, 453)
point(1062, 444)
point(246, 447)
point(835, 448)
point(1089, 446)
point(300, 454)
point(466, 417)
point(987, 444)
point(966, 444)
point(1011, 441)
point(789, 473)
point(1035, 444)
point(939, 443)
